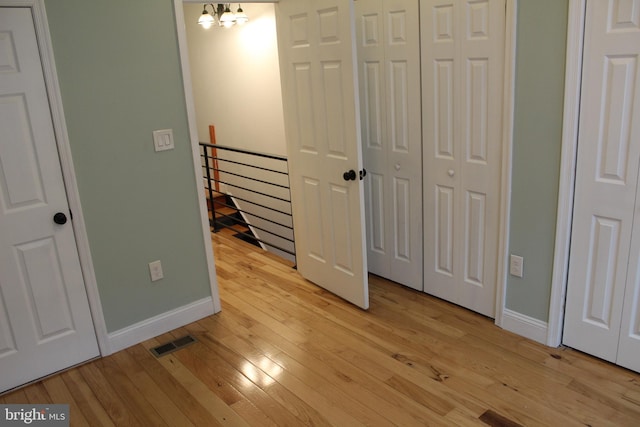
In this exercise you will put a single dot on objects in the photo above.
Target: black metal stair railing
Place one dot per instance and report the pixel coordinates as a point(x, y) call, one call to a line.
point(254, 184)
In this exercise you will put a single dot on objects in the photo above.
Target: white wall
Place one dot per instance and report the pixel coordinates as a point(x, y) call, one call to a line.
point(236, 80)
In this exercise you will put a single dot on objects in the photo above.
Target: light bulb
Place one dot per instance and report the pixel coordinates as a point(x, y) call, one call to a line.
point(205, 20)
point(228, 18)
point(241, 17)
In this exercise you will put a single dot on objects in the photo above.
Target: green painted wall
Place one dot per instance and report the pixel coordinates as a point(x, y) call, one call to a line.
point(119, 72)
point(540, 64)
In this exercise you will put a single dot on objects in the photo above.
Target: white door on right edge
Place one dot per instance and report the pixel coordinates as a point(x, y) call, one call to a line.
point(603, 293)
point(462, 80)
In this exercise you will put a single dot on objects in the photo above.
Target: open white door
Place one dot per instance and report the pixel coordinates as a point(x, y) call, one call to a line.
point(319, 82)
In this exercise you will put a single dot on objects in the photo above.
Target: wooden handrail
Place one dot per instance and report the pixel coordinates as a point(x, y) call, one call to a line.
point(216, 173)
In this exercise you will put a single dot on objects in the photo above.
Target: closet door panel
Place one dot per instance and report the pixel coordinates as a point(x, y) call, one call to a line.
point(389, 67)
point(462, 70)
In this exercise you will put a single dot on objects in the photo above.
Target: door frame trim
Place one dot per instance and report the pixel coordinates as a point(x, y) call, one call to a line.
point(183, 50)
point(45, 48)
point(508, 114)
point(571, 116)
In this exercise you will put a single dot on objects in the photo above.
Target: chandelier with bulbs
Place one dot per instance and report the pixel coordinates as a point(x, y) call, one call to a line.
point(221, 16)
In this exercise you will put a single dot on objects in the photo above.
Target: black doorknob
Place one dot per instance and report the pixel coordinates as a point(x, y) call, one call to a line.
point(349, 175)
point(60, 218)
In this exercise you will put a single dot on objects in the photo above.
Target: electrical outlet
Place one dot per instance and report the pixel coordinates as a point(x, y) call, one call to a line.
point(516, 265)
point(155, 270)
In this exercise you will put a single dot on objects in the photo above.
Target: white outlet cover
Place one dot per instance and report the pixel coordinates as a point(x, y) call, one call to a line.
point(163, 139)
point(155, 270)
point(516, 266)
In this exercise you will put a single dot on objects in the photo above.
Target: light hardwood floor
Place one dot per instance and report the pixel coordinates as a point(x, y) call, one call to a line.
point(283, 352)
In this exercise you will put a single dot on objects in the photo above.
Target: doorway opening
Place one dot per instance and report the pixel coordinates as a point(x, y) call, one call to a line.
point(221, 88)
point(238, 106)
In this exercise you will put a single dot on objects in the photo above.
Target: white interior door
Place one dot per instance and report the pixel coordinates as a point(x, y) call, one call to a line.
point(462, 80)
point(322, 124)
point(601, 315)
point(45, 322)
point(388, 35)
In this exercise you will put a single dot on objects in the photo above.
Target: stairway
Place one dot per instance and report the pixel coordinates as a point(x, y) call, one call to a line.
point(228, 218)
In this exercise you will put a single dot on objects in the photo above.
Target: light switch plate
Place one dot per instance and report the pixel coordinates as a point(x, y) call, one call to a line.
point(163, 139)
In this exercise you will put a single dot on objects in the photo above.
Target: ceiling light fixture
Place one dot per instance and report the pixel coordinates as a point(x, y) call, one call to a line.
point(221, 15)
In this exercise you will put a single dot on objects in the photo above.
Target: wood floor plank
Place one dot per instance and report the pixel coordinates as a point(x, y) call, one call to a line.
point(218, 380)
point(276, 348)
point(59, 393)
point(407, 382)
point(251, 414)
point(221, 413)
point(251, 384)
point(622, 408)
point(461, 418)
point(194, 407)
point(377, 369)
point(130, 394)
point(161, 401)
point(37, 394)
point(306, 392)
point(118, 411)
point(361, 386)
point(380, 395)
point(266, 374)
point(86, 400)
point(16, 397)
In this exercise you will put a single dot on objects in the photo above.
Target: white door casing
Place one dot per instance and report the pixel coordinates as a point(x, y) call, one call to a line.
point(45, 321)
point(462, 83)
point(317, 66)
point(601, 316)
point(388, 35)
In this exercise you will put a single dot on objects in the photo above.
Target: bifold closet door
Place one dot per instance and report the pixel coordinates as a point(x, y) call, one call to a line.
point(387, 33)
point(462, 51)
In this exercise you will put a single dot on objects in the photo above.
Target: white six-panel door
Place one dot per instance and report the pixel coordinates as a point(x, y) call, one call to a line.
point(388, 35)
point(603, 291)
point(462, 80)
point(316, 45)
point(45, 322)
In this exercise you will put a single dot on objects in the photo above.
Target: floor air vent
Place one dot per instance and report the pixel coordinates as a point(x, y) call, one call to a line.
point(172, 346)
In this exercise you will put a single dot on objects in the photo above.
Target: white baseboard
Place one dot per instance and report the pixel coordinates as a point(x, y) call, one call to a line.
point(157, 325)
point(525, 326)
